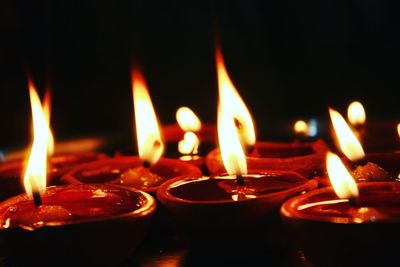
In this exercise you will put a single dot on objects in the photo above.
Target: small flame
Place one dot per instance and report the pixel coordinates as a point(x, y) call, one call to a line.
point(189, 144)
point(356, 114)
point(36, 169)
point(342, 182)
point(188, 120)
point(348, 142)
point(231, 102)
point(398, 129)
point(190, 123)
point(46, 106)
point(150, 144)
point(235, 126)
point(47, 114)
point(301, 127)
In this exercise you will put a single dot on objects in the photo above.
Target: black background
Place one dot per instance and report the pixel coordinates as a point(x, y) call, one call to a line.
point(289, 59)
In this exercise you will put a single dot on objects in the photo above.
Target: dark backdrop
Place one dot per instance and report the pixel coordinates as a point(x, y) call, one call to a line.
point(289, 59)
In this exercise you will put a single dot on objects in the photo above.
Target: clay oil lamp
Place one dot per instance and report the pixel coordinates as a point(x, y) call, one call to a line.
point(78, 225)
point(351, 224)
point(231, 205)
point(59, 162)
point(146, 171)
point(363, 168)
point(370, 132)
point(303, 157)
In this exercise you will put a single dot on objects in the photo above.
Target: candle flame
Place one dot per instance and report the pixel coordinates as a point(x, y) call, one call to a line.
point(356, 114)
point(150, 144)
point(189, 144)
point(398, 129)
point(36, 169)
point(342, 182)
point(301, 127)
point(235, 126)
point(188, 120)
point(231, 102)
point(190, 123)
point(348, 142)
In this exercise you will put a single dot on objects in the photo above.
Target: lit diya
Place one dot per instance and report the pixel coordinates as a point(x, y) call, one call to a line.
point(79, 225)
point(376, 135)
point(227, 206)
point(307, 158)
point(146, 171)
point(364, 168)
point(59, 162)
point(351, 224)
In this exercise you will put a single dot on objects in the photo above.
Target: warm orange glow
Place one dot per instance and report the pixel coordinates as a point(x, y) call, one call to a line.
point(188, 120)
point(189, 144)
point(301, 127)
point(47, 115)
point(356, 114)
point(232, 151)
point(342, 182)
point(348, 142)
point(235, 125)
point(398, 129)
point(150, 144)
point(36, 169)
point(232, 103)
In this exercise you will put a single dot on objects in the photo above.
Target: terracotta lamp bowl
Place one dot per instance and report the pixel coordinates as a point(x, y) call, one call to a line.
point(304, 158)
point(386, 162)
point(11, 172)
point(110, 170)
point(77, 225)
point(336, 233)
point(206, 209)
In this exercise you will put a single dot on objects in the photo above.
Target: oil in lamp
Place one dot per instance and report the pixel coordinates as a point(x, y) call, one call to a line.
point(355, 222)
point(231, 205)
point(59, 162)
point(81, 225)
point(303, 157)
point(146, 171)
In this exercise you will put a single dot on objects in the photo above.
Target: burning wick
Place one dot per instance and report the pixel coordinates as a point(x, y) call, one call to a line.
point(37, 199)
point(240, 187)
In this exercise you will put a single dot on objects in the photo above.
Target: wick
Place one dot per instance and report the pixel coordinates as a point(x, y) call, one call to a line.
point(353, 201)
point(37, 199)
point(240, 187)
point(146, 164)
point(239, 180)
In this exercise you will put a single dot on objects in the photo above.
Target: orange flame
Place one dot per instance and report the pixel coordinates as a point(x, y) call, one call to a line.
point(231, 102)
point(398, 129)
point(150, 144)
point(342, 182)
point(301, 127)
point(232, 112)
point(187, 119)
point(348, 142)
point(46, 106)
point(356, 114)
point(36, 169)
point(190, 123)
